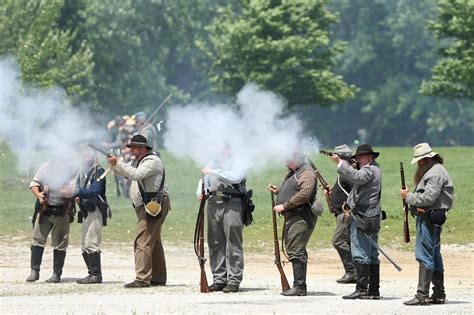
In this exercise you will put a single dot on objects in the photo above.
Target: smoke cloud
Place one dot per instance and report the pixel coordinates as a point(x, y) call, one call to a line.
point(256, 128)
point(39, 124)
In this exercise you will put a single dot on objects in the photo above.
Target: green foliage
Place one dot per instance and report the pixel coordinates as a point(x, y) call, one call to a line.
point(48, 55)
point(17, 205)
point(389, 67)
point(283, 46)
point(144, 50)
point(453, 75)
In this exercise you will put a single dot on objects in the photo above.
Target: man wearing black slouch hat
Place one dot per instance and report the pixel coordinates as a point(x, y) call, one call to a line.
point(364, 203)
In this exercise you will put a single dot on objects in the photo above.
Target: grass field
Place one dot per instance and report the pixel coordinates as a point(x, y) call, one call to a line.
point(17, 201)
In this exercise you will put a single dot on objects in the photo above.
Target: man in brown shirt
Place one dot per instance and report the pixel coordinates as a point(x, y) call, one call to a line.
point(294, 199)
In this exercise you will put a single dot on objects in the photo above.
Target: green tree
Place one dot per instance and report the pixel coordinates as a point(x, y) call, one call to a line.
point(48, 55)
point(389, 52)
point(144, 50)
point(282, 46)
point(453, 75)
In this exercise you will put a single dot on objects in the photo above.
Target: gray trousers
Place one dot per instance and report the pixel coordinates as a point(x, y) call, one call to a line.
point(92, 232)
point(224, 235)
point(341, 241)
point(297, 235)
point(58, 225)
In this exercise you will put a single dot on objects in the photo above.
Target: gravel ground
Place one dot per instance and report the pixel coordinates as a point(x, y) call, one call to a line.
point(259, 291)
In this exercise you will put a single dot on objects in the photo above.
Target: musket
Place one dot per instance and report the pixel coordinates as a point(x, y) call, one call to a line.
point(199, 240)
point(346, 158)
point(106, 154)
point(324, 185)
point(152, 116)
point(406, 231)
point(376, 246)
point(41, 208)
point(284, 282)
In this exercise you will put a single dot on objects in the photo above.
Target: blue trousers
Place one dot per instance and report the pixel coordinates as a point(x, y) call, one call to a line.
point(428, 246)
point(362, 250)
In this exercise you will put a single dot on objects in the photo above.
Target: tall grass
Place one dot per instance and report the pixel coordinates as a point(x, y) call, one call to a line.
point(16, 205)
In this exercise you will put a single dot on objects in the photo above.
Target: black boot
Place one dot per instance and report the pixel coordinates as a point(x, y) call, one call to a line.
point(439, 295)
point(350, 273)
point(422, 293)
point(362, 271)
point(299, 279)
point(58, 263)
point(374, 283)
point(94, 268)
point(36, 258)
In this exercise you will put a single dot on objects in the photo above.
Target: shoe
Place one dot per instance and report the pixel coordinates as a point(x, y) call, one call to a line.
point(55, 278)
point(36, 257)
point(230, 288)
point(215, 287)
point(295, 291)
point(357, 294)
point(371, 296)
point(417, 301)
point(157, 284)
point(136, 284)
point(424, 280)
point(90, 279)
point(348, 277)
point(34, 275)
point(374, 283)
point(438, 299)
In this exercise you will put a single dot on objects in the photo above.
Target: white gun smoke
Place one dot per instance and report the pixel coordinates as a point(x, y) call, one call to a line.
point(257, 129)
point(39, 124)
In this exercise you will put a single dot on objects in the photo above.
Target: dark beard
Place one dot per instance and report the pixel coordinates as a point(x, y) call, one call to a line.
point(420, 171)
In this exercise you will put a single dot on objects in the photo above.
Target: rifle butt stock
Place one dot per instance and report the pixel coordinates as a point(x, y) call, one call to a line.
point(203, 284)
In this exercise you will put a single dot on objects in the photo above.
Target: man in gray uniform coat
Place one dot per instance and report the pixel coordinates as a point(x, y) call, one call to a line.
point(224, 218)
point(431, 199)
point(364, 202)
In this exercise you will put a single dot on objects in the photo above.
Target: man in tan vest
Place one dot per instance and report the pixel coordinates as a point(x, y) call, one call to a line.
point(148, 188)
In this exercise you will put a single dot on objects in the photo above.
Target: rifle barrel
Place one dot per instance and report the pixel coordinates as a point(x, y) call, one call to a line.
point(406, 230)
point(152, 116)
point(284, 282)
point(199, 241)
point(103, 152)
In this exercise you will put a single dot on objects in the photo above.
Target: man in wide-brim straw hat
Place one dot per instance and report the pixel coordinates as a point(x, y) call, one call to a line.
point(364, 203)
point(432, 197)
point(148, 176)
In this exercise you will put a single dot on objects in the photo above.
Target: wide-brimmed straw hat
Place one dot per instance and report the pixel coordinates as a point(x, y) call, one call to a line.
point(365, 149)
point(138, 141)
point(421, 151)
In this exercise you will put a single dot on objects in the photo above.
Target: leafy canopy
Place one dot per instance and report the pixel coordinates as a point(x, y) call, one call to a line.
point(282, 46)
point(453, 75)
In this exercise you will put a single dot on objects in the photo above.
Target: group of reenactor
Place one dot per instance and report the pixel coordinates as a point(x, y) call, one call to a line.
point(355, 200)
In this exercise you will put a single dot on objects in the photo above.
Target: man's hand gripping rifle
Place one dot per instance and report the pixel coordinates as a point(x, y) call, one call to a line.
point(345, 158)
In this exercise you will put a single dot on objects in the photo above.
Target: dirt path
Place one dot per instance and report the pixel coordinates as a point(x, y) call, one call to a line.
point(259, 291)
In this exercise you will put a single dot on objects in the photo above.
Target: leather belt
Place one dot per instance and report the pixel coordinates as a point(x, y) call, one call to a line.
point(220, 193)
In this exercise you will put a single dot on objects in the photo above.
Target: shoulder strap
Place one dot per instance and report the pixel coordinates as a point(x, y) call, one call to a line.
point(340, 186)
point(89, 175)
point(142, 191)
